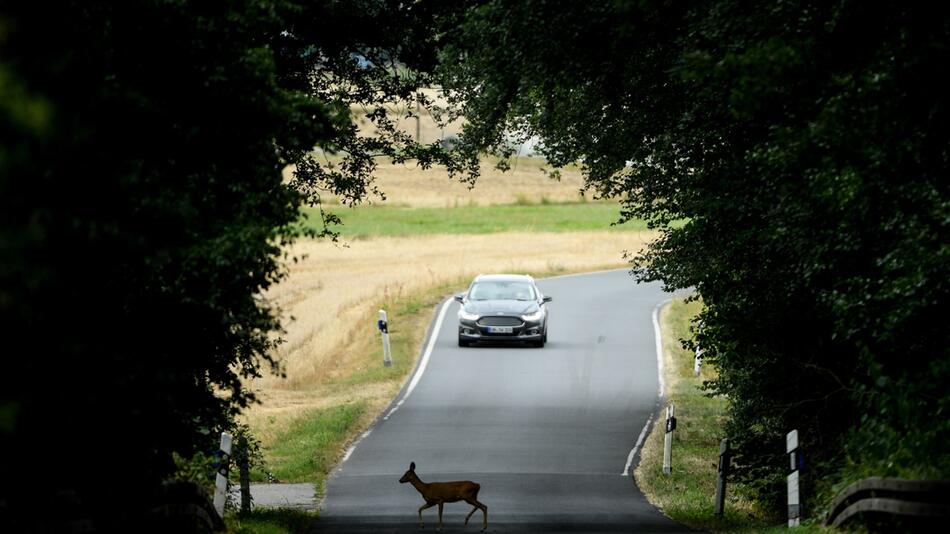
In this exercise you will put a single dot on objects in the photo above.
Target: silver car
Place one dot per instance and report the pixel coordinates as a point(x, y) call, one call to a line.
point(503, 307)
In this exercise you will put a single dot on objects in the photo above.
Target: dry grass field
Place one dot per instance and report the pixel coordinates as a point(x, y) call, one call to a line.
point(405, 119)
point(407, 186)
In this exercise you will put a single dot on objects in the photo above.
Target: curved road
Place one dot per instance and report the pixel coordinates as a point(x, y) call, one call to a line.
point(546, 432)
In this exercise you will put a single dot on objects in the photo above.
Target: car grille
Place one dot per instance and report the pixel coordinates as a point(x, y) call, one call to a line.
point(500, 321)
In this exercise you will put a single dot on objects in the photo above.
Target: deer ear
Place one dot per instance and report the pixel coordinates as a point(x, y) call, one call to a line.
point(412, 466)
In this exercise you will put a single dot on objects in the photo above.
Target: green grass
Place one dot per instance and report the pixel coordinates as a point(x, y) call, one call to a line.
point(309, 447)
point(409, 317)
point(270, 521)
point(687, 494)
point(520, 217)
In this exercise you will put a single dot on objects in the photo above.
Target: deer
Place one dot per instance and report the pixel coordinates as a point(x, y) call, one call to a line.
point(442, 492)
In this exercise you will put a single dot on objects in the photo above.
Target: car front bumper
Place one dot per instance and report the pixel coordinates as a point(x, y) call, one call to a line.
point(527, 331)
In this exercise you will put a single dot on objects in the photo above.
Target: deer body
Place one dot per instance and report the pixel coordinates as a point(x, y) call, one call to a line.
point(439, 493)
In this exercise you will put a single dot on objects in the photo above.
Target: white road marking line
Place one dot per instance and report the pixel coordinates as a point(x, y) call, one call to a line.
point(659, 343)
point(659, 371)
point(351, 448)
point(633, 451)
point(425, 358)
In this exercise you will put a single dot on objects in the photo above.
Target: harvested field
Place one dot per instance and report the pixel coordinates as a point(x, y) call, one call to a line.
point(524, 183)
point(405, 185)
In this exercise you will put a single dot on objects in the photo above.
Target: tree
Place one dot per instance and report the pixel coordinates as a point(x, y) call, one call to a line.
point(143, 214)
point(801, 150)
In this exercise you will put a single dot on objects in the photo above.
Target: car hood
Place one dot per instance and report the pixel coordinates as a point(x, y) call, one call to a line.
point(504, 307)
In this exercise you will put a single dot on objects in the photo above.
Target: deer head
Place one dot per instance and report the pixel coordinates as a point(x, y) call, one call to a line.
point(408, 476)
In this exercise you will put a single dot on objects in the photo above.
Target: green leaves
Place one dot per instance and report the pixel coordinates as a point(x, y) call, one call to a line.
point(144, 214)
point(800, 142)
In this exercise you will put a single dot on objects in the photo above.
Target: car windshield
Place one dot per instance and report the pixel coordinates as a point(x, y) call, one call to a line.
point(501, 291)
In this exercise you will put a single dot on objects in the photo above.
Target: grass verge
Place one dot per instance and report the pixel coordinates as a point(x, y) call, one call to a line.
point(269, 521)
point(307, 449)
point(686, 495)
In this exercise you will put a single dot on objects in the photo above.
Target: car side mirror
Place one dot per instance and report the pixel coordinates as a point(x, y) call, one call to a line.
point(459, 298)
point(546, 299)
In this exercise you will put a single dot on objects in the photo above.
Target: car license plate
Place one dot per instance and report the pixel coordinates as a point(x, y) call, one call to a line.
point(500, 329)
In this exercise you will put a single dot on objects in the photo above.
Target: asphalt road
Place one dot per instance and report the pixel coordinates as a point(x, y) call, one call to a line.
point(546, 432)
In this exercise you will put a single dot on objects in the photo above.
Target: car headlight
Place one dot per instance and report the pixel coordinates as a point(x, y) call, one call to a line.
point(536, 316)
point(468, 316)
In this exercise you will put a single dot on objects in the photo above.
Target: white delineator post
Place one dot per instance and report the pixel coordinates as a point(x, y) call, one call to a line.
point(222, 462)
point(668, 440)
point(697, 361)
point(794, 496)
point(383, 325)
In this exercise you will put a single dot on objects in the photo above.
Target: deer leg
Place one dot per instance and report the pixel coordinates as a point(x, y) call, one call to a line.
point(477, 506)
point(423, 507)
point(440, 516)
point(474, 508)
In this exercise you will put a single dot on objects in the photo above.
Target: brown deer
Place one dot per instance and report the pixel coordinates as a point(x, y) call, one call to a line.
point(442, 492)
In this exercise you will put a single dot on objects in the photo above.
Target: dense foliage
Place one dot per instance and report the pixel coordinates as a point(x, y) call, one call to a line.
point(806, 145)
point(143, 214)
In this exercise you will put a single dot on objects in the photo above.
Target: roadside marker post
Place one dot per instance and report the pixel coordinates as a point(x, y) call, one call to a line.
point(722, 472)
point(697, 360)
point(383, 326)
point(668, 439)
point(796, 461)
point(222, 461)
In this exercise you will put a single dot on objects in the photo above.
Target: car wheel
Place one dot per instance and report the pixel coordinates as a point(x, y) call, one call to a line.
point(540, 344)
point(463, 343)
